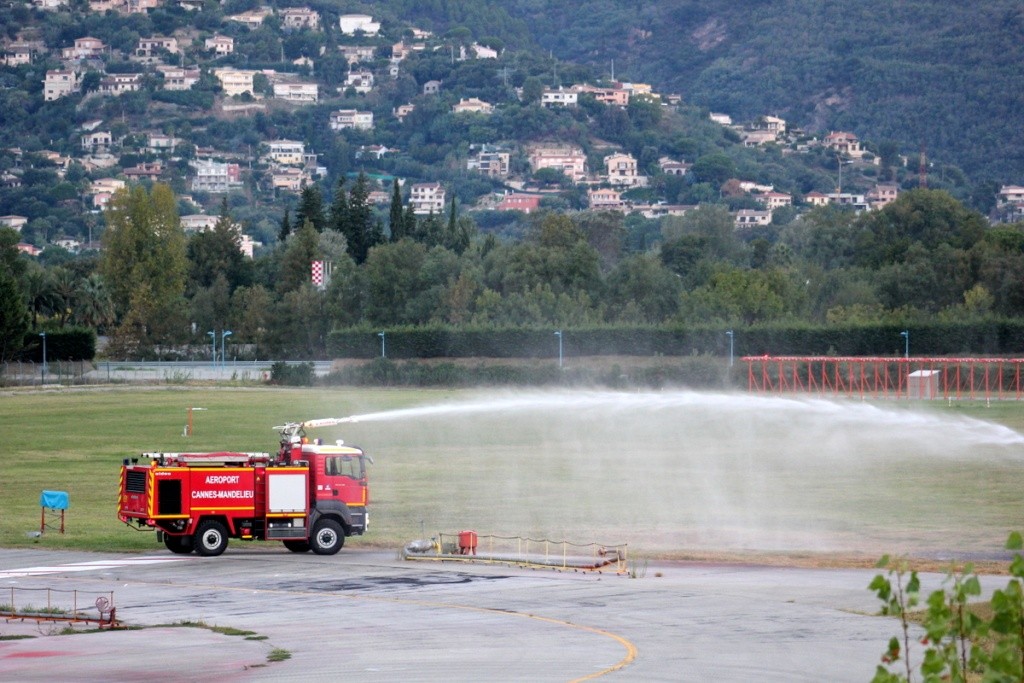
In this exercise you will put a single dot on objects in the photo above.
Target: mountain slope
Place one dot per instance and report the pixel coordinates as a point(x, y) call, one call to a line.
point(923, 72)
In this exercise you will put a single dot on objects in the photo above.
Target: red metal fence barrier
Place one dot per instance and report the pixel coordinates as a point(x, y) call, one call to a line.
point(881, 377)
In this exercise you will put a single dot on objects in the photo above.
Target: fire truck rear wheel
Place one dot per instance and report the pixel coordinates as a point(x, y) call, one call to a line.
point(328, 537)
point(211, 538)
point(182, 545)
point(297, 546)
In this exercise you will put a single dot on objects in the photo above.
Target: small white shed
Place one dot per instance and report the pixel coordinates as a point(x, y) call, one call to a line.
point(923, 384)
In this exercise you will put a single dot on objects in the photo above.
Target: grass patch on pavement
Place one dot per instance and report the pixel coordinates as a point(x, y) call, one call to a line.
point(278, 655)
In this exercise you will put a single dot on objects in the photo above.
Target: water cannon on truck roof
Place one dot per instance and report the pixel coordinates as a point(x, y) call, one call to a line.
point(310, 496)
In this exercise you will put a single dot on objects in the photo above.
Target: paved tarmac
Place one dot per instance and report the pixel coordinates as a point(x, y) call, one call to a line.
point(366, 615)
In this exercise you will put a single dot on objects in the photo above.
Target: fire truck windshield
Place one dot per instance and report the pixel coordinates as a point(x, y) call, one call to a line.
point(344, 466)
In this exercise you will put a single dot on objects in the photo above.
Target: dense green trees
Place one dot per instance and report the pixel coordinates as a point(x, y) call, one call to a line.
point(923, 256)
point(13, 317)
point(641, 290)
point(215, 253)
point(299, 252)
point(393, 279)
point(929, 218)
point(144, 264)
point(353, 217)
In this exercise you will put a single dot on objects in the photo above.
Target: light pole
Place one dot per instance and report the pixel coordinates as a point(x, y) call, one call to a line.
point(906, 343)
point(559, 335)
point(223, 355)
point(729, 334)
point(383, 350)
point(213, 346)
point(839, 158)
point(43, 335)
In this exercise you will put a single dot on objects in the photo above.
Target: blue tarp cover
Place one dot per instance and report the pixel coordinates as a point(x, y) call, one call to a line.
point(55, 500)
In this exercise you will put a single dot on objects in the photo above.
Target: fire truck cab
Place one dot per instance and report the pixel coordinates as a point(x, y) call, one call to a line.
point(308, 495)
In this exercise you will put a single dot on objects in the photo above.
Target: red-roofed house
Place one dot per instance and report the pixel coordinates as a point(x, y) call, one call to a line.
point(519, 202)
point(816, 199)
point(844, 143)
point(605, 199)
point(775, 200)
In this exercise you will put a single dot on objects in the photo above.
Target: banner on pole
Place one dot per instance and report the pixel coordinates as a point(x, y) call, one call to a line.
point(321, 274)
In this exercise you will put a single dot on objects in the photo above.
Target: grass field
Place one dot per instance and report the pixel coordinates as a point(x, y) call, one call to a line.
point(671, 473)
point(75, 440)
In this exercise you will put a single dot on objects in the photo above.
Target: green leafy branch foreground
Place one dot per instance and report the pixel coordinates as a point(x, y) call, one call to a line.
point(961, 642)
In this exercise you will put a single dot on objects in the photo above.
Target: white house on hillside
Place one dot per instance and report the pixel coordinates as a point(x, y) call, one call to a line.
point(622, 170)
point(351, 24)
point(427, 198)
point(351, 118)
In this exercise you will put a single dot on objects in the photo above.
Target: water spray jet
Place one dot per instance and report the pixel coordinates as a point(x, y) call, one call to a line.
point(684, 471)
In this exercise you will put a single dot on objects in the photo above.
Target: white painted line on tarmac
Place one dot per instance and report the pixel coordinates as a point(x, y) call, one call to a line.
point(88, 566)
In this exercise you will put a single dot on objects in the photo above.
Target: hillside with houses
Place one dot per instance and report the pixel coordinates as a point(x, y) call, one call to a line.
point(918, 73)
point(335, 94)
point(261, 118)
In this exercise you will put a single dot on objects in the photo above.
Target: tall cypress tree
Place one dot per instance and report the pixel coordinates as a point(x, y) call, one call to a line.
point(409, 226)
point(431, 230)
point(216, 253)
point(286, 227)
point(339, 209)
point(452, 216)
point(363, 230)
point(397, 216)
point(457, 237)
point(311, 208)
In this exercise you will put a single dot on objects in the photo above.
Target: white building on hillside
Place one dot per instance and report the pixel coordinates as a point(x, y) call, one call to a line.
point(288, 152)
point(351, 118)
point(351, 24)
point(59, 83)
point(213, 176)
point(427, 198)
point(622, 170)
point(569, 159)
point(297, 92)
point(299, 18)
point(234, 82)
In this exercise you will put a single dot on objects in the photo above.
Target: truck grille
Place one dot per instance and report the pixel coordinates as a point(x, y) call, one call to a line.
point(135, 482)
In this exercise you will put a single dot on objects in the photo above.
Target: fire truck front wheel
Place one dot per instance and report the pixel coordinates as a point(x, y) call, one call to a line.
point(327, 538)
point(211, 538)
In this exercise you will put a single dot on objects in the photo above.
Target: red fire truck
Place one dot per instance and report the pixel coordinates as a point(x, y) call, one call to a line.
point(308, 495)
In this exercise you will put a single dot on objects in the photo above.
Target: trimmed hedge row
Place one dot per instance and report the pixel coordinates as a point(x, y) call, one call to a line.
point(300, 375)
point(69, 343)
point(989, 337)
point(695, 371)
